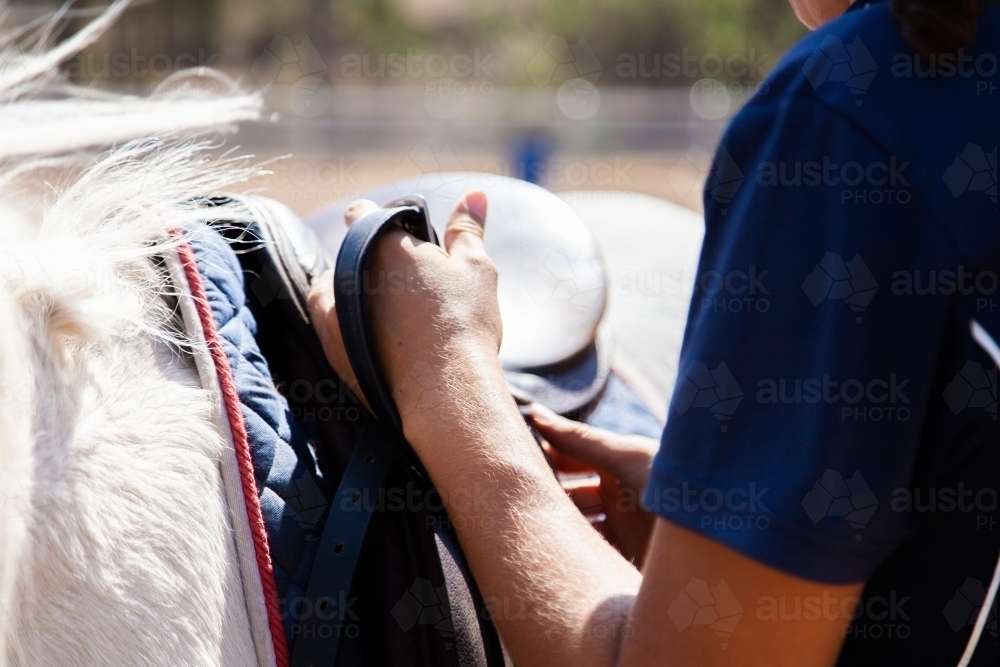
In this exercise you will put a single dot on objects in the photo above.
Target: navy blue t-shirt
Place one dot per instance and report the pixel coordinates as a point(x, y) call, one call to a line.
point(833, 417)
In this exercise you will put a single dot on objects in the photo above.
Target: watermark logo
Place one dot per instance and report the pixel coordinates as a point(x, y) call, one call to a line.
point(300, 66)
point(711, 99)
point(932, 500)
point(873, 400)
point(327, 609)
point(981, 284)
point(149, 391)
point(686, 65)
point(974, 170)
point(425, 376)
point(733, 508)
point(881, 182)
point(424, 604)
point(559, 173)
point(336, 400)
point(690, 171)
point(833, 496)
point(836, 62)
point(427, 170)
point(736, 291)
point(325, 181)
point(577, 281)
point(24, 270)
point(418, 66)
point(15, 501)
point(723, 179)
point(972, 387)
point(576, 68)
point(450, 81)
point(701, 604)
point(833, 278)
point(266, 286)
point(983, 67)
point(93, 66)
point(718, 176)
point(874, 617)
point(12, 63)
point(304, 498)
point(963, 608)
point(717, 390)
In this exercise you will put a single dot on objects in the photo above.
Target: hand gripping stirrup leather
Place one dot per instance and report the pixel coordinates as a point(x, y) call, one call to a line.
point(381, 445)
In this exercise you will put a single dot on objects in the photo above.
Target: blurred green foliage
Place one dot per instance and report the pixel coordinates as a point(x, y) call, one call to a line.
point(517, 29)
point(511, 31)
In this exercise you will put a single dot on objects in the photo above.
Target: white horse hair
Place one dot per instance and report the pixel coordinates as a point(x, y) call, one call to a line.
point(116, 541)
point(84, 117)
point(15, 455)
point(126, 549)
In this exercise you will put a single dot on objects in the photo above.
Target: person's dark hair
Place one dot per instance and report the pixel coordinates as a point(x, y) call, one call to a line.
point(937, 26)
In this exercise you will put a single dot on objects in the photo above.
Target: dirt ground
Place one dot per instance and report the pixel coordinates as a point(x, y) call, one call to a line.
point(308, 184)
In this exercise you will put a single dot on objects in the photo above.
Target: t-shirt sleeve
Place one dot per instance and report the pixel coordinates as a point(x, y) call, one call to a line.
point(805, 369)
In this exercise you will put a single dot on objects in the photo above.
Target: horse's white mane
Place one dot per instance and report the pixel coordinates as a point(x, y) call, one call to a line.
point(85, 117)
point(114, 537)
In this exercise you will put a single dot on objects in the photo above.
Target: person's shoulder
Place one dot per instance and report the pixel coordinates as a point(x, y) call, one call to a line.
point(844, 51)
point(935, 115)
point(839, 70)
point(860, 67)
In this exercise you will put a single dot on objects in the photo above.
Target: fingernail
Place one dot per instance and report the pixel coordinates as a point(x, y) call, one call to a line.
point(356, 209)
point(476, 202)
point(542, 414)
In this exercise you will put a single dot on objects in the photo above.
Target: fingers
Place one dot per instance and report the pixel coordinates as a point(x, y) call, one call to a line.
point(320, 304)
point(464, 230)
point(321, 293)
point(358, 209)
point(562, 462)
point(585, 494)
point(579, 441)
point(622, 456)
point(463, 233)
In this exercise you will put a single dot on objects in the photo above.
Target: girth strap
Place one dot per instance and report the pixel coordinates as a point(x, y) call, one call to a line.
point(317, 641)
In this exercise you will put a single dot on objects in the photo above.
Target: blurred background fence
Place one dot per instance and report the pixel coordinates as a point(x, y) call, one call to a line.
point(574, 94)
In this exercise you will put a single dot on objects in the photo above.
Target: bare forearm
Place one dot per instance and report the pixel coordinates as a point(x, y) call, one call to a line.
point(559, 594)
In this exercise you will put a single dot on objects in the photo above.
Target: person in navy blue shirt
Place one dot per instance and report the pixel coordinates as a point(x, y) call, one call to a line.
point(825, 491)
point(864, 184)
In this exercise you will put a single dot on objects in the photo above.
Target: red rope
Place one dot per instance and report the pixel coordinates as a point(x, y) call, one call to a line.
point(232, 403)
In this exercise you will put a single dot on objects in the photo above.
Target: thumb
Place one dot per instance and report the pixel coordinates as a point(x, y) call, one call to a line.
point(358, 209)
point(620, 455)
point(463, 233)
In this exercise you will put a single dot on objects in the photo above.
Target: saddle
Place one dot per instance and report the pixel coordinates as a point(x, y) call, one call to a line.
point(360, 564)
point(556, 349)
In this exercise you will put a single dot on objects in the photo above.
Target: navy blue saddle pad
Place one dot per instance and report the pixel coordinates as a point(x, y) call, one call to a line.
point(302, 424)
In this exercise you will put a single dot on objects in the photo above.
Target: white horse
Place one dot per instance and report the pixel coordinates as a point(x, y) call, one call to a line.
point(118, 544)
point(118, 541)
point(125, 537)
